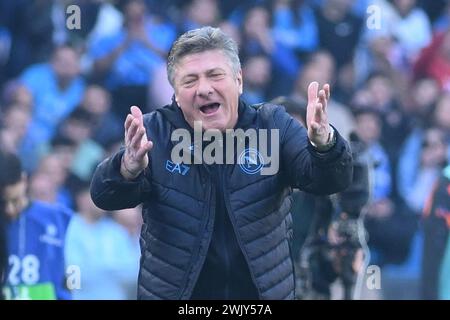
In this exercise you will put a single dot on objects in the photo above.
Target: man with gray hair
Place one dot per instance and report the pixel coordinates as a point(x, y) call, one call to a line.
point(221, 229)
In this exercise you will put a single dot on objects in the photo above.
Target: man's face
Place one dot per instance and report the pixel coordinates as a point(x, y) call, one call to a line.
point(207, 90)
point(14, 198)
point(66, 64)
point(135, 12)
point(368, 127)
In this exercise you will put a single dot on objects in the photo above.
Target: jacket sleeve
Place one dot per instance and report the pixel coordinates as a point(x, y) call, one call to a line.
point(111, 191)
point(307, 169)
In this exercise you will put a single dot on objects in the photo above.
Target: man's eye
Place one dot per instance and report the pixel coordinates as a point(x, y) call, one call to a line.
point(189, 82)
point(216, 75)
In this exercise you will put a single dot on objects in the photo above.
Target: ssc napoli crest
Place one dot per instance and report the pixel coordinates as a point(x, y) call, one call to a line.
point(251, 161)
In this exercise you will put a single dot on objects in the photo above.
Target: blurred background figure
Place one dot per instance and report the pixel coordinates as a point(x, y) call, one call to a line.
point(105, 124)
point(14, 125)
point(436, 262)
point(199, 13)
point(339, 30)
point(295, 26)
point(321, 68)
point(411, 28)
point(389, 233)
point(257, 72)
point(51, 174)
point(434, 60)
point(106, 252)
point(34, 238)
point(125, 61)
point(57, 88)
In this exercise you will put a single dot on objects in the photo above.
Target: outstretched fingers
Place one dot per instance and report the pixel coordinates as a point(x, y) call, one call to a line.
point(132, 131)
point(135, 158)
point(135, 142)
point(135, 134)
point(327, 89)
point(323, 99)
point(146, 147)
point(312, 92)
point(127, 126)
point(318, 112)
point(137, 114)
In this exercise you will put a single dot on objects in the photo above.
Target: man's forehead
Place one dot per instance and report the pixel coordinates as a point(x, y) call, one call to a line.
point(202, 62)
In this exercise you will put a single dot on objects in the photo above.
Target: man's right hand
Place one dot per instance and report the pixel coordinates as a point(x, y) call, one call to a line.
point(135, 157)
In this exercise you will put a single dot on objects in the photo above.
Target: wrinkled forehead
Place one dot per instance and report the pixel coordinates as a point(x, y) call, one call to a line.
point(200, 62)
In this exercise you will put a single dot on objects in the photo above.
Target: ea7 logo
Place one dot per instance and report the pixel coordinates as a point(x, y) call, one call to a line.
point(177, 168)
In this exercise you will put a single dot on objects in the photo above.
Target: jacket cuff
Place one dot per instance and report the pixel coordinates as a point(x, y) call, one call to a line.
point(114, 175)
point(330, 143)
point(334, 153)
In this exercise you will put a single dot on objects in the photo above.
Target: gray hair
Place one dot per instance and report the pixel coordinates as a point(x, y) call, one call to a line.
point(200, 40)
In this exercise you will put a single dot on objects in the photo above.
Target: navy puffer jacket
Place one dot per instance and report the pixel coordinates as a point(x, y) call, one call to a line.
point(179, 203)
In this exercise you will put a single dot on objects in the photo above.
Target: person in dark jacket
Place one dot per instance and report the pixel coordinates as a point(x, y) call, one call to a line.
point(221, 229)
point(436, 226)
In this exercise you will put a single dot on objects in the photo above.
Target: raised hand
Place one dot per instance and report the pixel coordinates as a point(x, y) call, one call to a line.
point(135, 158)
point(316, 114)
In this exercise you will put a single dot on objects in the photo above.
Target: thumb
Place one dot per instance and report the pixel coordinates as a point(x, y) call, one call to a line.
point(312, 92)
point(137, 113)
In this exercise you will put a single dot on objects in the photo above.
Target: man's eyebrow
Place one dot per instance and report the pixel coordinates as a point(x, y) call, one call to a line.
point(215, 70)
point(209, 71)
point(193, 75)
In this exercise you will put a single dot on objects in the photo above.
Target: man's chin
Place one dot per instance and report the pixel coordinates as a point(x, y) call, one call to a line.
point(214, 124)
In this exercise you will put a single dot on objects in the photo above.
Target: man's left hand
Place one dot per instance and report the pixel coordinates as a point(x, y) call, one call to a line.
point(316, 114)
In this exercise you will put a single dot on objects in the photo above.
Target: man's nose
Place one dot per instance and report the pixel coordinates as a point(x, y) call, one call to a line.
point(204, 88)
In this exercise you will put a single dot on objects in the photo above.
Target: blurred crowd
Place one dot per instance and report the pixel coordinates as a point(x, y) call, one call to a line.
point(65, 94)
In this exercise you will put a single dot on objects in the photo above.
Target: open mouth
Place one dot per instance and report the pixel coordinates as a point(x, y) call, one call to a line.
point(210, 108)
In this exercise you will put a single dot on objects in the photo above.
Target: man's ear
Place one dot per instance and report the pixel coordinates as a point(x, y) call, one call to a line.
point(239, 80)
point(175, 99)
